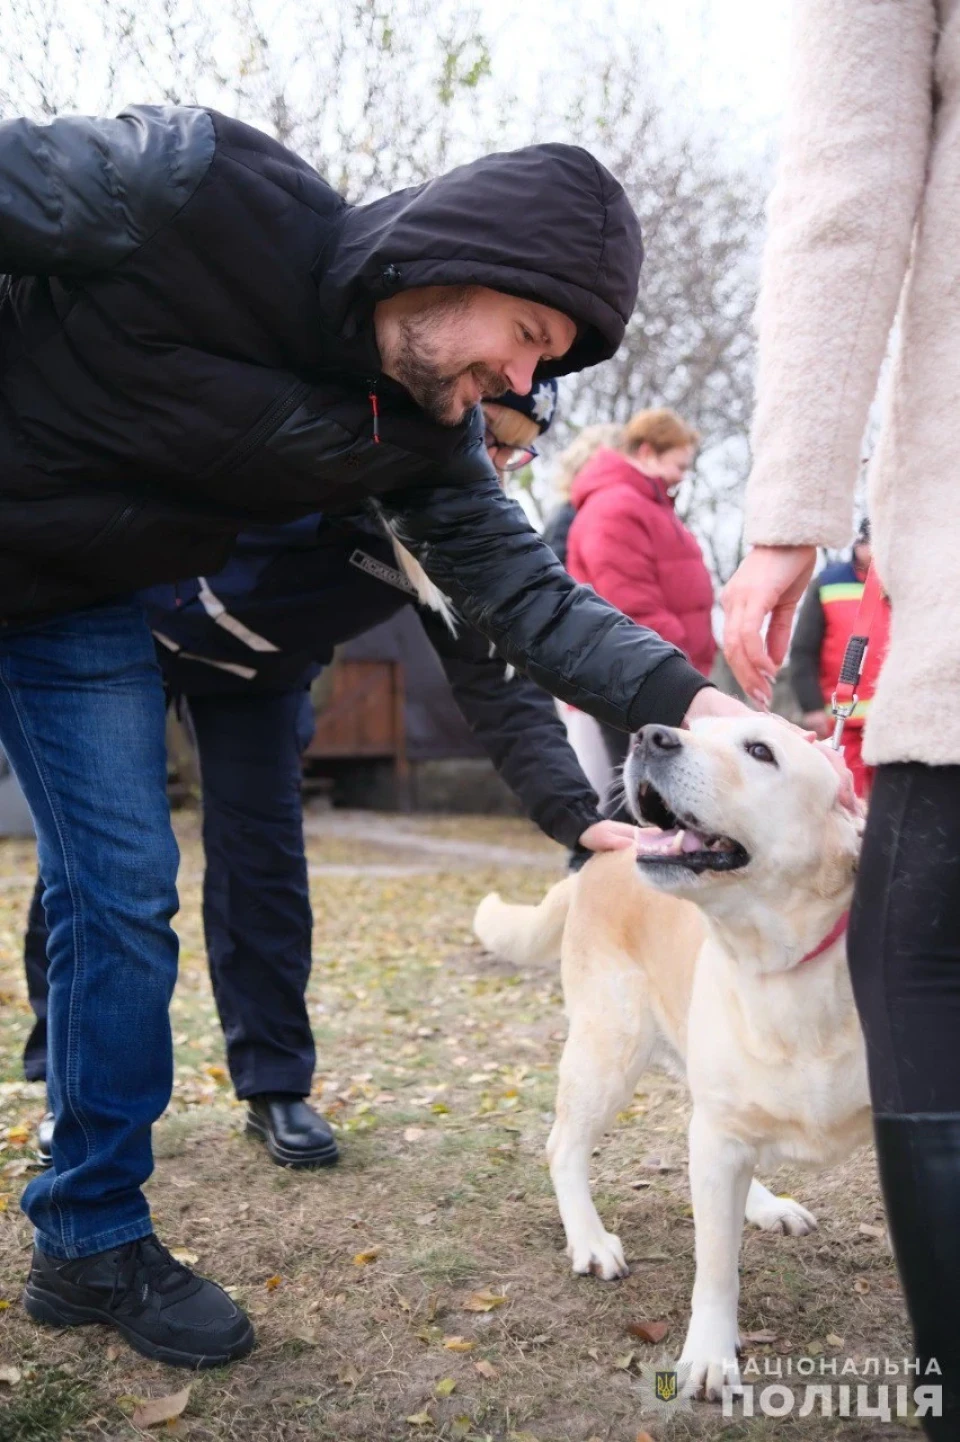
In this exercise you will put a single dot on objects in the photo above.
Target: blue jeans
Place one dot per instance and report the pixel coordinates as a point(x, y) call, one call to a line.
point(256, 897)
point(82, 722)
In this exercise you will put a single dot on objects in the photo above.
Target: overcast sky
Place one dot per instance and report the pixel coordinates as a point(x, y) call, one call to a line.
point(732, 53)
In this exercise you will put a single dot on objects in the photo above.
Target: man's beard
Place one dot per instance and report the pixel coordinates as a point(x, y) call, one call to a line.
point(416, 367)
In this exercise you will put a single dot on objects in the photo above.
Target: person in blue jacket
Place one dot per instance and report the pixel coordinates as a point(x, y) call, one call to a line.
point(241, 648)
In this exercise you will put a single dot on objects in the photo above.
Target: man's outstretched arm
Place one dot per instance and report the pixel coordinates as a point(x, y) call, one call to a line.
point(482, 552)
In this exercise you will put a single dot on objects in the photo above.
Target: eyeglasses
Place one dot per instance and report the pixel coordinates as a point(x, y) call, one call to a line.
point(506, 457)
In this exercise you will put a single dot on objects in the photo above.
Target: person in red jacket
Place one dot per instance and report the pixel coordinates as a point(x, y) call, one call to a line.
point(629, 544)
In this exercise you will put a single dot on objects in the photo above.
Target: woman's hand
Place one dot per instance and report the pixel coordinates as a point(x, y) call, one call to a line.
point(608, 836)
point(770, 582)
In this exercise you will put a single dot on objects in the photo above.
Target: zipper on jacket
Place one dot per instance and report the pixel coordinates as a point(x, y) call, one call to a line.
point(115, 524)
point(270, 422)
point(375, 407)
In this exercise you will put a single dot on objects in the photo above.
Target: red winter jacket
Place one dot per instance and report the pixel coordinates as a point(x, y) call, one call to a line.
point(628, 543)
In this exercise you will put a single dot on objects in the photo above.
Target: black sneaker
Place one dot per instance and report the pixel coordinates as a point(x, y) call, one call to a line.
point(45, 1140)
point(295, 1135)
point(159, 1306)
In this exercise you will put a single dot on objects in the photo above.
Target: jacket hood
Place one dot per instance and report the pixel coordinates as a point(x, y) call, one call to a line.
point(606, 468)
point(547, 222)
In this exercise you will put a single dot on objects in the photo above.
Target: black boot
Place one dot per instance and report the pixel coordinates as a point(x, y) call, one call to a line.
point(295, 1135)
point(919, 1162)
point(159, 1306)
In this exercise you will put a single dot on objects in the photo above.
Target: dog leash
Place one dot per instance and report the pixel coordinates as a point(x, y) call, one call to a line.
point(845, 697)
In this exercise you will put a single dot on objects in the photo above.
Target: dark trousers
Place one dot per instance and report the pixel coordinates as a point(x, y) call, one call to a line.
point(256, 903)
point(905, 965)
point(905, 939)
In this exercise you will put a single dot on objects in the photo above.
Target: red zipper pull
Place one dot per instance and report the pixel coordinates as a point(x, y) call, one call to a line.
point(375, 407)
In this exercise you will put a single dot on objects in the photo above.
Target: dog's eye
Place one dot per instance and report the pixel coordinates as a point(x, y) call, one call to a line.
point(760, 752)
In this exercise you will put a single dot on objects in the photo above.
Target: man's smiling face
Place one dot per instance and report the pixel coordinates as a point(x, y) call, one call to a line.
point(450, 346)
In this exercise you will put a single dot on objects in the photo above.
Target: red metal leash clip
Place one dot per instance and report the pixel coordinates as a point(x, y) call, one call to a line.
point(845, 696)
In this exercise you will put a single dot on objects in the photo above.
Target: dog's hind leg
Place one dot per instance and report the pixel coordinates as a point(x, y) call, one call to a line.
point(778, 1214)
point(604, 1055)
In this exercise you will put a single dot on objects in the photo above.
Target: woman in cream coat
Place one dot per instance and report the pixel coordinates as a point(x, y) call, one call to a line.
point(865, 218)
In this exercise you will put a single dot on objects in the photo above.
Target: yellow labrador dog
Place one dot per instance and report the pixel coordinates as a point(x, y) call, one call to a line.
point(720, 942)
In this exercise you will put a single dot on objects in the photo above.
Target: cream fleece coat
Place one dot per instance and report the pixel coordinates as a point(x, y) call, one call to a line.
point(866, 213)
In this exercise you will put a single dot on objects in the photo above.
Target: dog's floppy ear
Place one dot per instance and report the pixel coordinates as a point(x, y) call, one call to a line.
point(844, 831)
point(847, 798)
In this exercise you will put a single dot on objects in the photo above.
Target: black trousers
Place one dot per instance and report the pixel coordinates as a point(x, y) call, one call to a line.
point(905, 939)
point(256, 903)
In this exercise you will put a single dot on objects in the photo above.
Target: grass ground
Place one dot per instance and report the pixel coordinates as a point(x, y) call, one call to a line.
point(437, 1065)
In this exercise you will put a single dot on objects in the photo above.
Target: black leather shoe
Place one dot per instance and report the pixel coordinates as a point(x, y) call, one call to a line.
point(45, 1140)
point(165, 1311)
point(295, 1135)
point(919, 1162)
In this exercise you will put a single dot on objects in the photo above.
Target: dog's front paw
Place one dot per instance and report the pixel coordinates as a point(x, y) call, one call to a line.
point(710, 1356)
point(783, 1214)
point(709, 1372)
point(598, 1256)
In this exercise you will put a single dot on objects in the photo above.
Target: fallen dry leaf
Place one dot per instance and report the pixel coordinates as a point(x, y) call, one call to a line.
point(458, 1344)
point(348, 1376)
point(188, 1258)
point(445, 1386)
point(624, 1363)
point(644, 1437)
point(862, 1286)
point(483, 1301)
point(18, 1135)
point(760, 1337)
point(649, 1331)
point(161, 1409)
point(272, 1283)
point(866, 1229)
point(363, 1259)
point(4, 1305)
point(420, 1419)
point(10, 1375)
point(833, 1340)
point(218, 1073)
point(413, 1134)
point(487, 1369)
point(522, 1437)
point(112, 1353)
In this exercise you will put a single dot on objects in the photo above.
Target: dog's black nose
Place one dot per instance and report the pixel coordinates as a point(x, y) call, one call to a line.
point(654, 740)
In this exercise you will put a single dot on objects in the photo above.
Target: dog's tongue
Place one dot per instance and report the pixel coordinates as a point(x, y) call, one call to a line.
point(652, 841)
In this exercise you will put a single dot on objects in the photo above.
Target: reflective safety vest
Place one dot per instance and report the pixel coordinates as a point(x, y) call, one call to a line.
point(840, 590)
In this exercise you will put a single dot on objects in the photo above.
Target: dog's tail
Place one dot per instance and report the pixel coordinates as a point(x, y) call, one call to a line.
point(524, 934)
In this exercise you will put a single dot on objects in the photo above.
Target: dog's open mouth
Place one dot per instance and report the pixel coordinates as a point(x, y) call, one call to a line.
point(668, 838)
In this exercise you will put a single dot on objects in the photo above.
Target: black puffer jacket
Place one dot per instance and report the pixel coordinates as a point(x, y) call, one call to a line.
point(187, 347)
